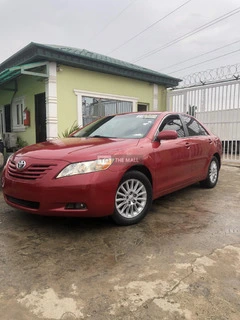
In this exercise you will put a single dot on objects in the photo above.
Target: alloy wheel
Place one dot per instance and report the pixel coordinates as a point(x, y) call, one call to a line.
point(131, 198)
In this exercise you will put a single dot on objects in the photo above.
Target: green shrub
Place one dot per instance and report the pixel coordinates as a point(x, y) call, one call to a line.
point(21, 143)
point(70, 130)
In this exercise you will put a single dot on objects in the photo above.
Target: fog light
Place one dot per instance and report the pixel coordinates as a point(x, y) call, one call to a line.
point(76, 205)
point(80, 205)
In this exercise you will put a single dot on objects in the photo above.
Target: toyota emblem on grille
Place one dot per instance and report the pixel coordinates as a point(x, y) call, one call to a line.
point(21, 164)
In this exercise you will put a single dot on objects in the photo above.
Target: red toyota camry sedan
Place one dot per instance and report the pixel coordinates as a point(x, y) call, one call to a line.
point(114, 167)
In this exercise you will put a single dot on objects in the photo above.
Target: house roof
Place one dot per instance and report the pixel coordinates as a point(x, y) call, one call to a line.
point(81, 58)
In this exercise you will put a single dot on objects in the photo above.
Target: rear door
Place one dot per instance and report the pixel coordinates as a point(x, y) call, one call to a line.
point(201, 145)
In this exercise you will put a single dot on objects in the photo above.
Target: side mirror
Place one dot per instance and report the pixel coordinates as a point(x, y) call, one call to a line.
point(167, 135)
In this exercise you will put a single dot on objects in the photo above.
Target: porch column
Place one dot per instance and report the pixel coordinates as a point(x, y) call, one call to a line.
point(155, 97)
point(51, 102)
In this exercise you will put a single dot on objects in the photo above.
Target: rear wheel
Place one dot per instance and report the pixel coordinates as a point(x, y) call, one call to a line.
point(212, 177)
point(133, 198)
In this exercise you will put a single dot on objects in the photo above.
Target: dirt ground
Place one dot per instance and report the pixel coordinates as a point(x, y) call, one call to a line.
point(181, 262)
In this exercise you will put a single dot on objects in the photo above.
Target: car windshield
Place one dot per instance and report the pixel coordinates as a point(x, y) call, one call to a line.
point(126, 126)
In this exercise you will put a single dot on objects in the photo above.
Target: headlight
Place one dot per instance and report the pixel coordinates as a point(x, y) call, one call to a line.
point(85, 167)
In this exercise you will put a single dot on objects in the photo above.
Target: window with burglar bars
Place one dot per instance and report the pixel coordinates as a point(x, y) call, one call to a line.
point(94, 108)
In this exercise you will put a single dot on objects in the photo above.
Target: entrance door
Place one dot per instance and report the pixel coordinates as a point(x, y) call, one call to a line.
point(40, 117)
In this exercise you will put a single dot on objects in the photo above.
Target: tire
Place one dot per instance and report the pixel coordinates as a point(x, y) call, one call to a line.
point(213, 173)
point(133, 199)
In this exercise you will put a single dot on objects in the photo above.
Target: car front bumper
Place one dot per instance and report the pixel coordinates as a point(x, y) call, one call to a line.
point(85, 195)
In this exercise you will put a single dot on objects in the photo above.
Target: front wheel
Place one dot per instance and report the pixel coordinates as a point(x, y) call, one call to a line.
point(212, 177)
point(133, 198)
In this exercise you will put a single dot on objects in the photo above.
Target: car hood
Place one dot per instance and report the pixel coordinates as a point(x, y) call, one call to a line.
point(77, 149)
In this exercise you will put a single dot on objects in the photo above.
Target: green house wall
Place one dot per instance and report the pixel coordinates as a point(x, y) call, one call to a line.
point(70, 79)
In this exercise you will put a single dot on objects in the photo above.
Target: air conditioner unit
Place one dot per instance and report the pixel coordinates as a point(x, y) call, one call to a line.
point(10, 140)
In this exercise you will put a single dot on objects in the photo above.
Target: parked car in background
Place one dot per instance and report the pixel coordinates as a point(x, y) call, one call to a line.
point(114, 167)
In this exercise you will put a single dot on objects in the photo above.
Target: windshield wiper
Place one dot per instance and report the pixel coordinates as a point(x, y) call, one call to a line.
point(99, 136)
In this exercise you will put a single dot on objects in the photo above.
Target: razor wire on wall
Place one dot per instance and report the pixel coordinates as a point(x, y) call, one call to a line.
point(221, 74)
point(213, 97)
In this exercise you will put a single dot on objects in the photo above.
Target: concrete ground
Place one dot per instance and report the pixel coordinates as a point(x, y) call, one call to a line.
point(181, 262)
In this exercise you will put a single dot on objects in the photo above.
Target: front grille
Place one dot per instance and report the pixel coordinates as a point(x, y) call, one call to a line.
point(24, 203)
point(33, 172)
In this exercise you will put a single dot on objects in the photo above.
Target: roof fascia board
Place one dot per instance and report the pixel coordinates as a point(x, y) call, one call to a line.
point(104, 67)
point(35, 52)
point(142, 71)
point(92, 65)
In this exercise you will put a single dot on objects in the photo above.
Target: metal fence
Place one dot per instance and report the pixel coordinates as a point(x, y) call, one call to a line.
point(217, 105)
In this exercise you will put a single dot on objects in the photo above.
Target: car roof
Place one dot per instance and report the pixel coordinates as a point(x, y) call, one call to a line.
point(163, 113)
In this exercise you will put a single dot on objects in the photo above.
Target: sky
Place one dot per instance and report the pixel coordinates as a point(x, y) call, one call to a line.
point(175, 37)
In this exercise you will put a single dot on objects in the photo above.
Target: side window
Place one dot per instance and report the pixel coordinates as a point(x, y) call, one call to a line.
point(194, 127)
point(173, 123)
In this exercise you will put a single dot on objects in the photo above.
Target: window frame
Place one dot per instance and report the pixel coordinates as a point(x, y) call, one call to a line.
point(198, 123)
point(17, 108)
point(82, 93)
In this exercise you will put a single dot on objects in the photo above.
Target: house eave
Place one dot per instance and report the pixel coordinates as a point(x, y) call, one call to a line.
point(36, 52)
